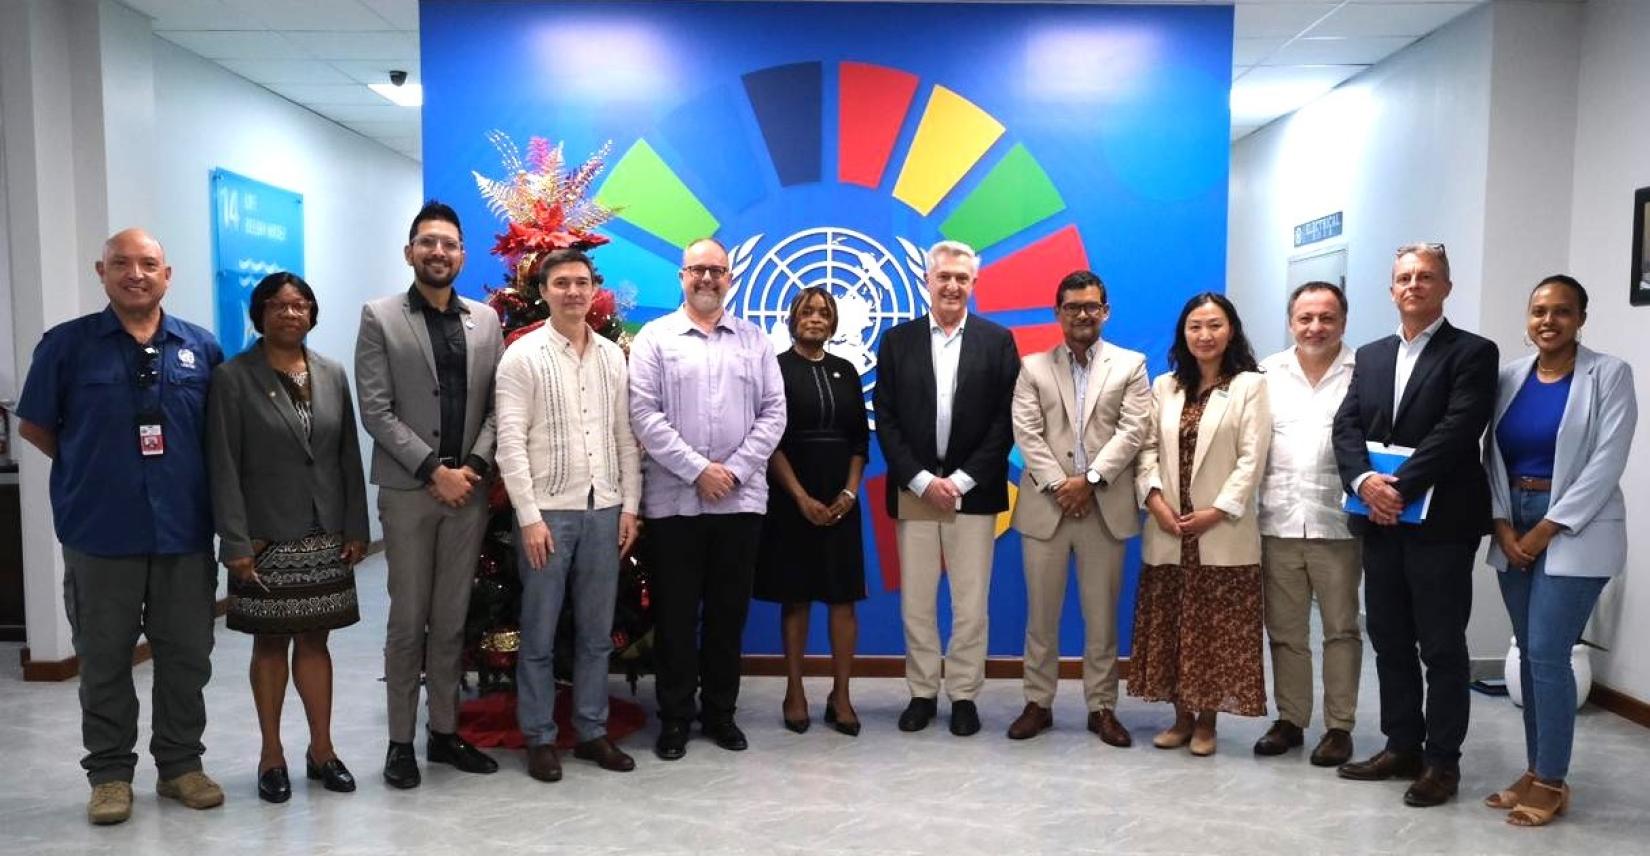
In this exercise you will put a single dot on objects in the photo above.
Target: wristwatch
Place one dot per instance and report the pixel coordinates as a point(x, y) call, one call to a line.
point(1094, 478)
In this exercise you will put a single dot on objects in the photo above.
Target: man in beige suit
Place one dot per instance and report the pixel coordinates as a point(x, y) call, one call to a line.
point(1077, 497)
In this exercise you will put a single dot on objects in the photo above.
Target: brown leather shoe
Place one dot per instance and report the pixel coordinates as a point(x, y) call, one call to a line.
point(1435, 787)
point(1034, 720)
point(542, 763)
point(1334, 749)
point(1104, 723)
point(1280, 738)
point(605, 754)
point(1384, 765)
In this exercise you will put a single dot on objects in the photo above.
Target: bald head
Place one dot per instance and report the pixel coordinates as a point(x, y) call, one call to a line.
point(134, 272)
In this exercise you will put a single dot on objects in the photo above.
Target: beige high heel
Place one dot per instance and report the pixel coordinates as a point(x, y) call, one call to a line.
point(1540, 805)
point(1509, 797)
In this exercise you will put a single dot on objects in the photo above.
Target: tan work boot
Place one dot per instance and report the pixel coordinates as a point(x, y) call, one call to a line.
point(194, 789)
point(111, 802)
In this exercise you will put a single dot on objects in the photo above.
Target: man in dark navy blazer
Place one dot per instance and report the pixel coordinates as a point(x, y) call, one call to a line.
point(944, 387)
point(1430, 387)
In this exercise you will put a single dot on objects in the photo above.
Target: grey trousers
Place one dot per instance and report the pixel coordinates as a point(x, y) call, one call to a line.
point(110, 600)
point(432, 551)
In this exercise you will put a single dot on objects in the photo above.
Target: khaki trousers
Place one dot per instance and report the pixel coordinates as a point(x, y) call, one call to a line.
point(963, 546)
point(432, 551)
point(1099, 579)
point(1296, 569)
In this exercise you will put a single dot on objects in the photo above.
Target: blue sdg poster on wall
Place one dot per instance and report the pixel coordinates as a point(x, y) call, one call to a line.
point(832, 143)
point(257, 229)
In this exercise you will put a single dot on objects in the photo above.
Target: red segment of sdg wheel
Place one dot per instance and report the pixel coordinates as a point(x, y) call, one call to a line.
point(1036, 337)
point(872, 100)
point(1020, 281)
point(882, 531)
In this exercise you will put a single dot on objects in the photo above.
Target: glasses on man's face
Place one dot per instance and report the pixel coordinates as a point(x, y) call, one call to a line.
point(699, 271)
point(297, 308)
point(432, 242)
point(1078, 310)
point(148, 366)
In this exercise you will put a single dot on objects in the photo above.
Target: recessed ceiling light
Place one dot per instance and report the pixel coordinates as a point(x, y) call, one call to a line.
point(405, 95)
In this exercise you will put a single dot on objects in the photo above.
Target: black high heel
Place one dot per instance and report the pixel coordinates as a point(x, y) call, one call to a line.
point(841, 725)
point(333, 775)
point(795, 725)
point(274, 786)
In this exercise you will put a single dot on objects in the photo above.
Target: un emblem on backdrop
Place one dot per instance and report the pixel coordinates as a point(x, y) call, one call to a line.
point(874, 288)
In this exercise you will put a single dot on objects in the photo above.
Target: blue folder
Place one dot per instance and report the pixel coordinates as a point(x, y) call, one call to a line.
point(1386, 459)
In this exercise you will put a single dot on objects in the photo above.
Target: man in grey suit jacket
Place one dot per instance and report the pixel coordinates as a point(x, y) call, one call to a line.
point(1081, 413)
point(424, 362)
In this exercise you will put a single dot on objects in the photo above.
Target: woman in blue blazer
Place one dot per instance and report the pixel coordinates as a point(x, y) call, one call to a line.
point(1563, 424)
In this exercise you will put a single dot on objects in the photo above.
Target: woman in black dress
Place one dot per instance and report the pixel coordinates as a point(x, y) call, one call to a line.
point(811, 547)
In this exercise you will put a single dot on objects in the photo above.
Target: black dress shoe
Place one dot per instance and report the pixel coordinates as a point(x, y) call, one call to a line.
point(1436, 786)
point(606, 755)
point(727, 735)
point(401, 766)
point(918, 714)
point(1385, 764)
point(1280, 738)
point(849, 727)
point(1334, 749)
point(455, 750)
point(274, 785)
point(672, 742)
point(333, 775)
point(965, 718)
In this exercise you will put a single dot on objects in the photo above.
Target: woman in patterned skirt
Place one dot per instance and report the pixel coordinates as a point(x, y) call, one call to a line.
point(291, 508)
point(811, 547)
point(1197, 619)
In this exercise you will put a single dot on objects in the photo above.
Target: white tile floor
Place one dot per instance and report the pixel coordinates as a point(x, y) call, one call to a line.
point(884, 792)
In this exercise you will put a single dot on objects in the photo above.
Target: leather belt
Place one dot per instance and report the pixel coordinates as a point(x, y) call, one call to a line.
point(1535, 484)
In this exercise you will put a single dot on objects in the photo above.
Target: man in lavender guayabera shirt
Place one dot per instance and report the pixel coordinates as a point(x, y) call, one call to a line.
point(708, 406)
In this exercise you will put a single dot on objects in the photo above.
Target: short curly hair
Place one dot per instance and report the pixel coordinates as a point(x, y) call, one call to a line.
point(271, 285)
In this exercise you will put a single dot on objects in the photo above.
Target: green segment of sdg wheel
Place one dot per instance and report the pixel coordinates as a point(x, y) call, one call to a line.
point(1014, 195)
point(650, 196)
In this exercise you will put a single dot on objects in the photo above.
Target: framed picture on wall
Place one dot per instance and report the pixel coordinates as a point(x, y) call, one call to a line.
point(1640, 294)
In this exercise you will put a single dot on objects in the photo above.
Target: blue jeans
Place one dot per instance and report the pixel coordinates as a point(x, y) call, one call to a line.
point(587, 552)
point(1548, 614)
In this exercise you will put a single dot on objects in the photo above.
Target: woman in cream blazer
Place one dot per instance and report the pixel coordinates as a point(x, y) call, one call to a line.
point(1197, 620)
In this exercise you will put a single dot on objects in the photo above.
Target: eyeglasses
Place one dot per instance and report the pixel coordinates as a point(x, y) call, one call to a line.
point(1074, 310)
point(698, 271)
point(299, 308)
point(430, 242)
point(148, 366)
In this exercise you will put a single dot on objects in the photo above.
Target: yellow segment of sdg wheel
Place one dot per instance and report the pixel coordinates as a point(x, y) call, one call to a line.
point(1006, 518)
point(953, 135)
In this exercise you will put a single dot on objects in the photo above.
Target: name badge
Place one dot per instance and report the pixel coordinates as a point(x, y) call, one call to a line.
point(151, 440)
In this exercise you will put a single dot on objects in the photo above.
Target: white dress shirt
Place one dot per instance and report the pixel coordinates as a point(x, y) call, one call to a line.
point(1080, 387)
point(1409, 353)
point(946, 351)
point(1300, 496)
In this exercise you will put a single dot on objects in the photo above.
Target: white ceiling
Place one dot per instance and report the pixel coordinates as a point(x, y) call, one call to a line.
point(320, 53)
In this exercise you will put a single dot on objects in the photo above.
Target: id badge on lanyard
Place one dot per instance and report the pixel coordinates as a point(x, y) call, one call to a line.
point(151, 431)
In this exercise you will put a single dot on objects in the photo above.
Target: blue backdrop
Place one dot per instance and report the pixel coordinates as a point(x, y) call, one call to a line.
point(829, 142)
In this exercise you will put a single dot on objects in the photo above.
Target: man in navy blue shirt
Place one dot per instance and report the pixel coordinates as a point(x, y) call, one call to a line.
point(117, 400)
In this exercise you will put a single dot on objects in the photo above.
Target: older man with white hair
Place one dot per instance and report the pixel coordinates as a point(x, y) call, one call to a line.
point(947, 476)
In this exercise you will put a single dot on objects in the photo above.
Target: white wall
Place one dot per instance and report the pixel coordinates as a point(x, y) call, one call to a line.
point(1401, 149)
point(1611, 160)
point(359, 196)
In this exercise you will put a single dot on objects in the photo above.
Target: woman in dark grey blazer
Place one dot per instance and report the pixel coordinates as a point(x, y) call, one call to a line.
point(290, 501)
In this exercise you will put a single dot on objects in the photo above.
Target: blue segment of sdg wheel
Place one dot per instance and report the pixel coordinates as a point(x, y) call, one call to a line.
point(790, 108)
point(716, 166)
point(655, 283)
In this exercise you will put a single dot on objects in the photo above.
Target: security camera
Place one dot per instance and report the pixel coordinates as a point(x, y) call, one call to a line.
point(398, 77)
